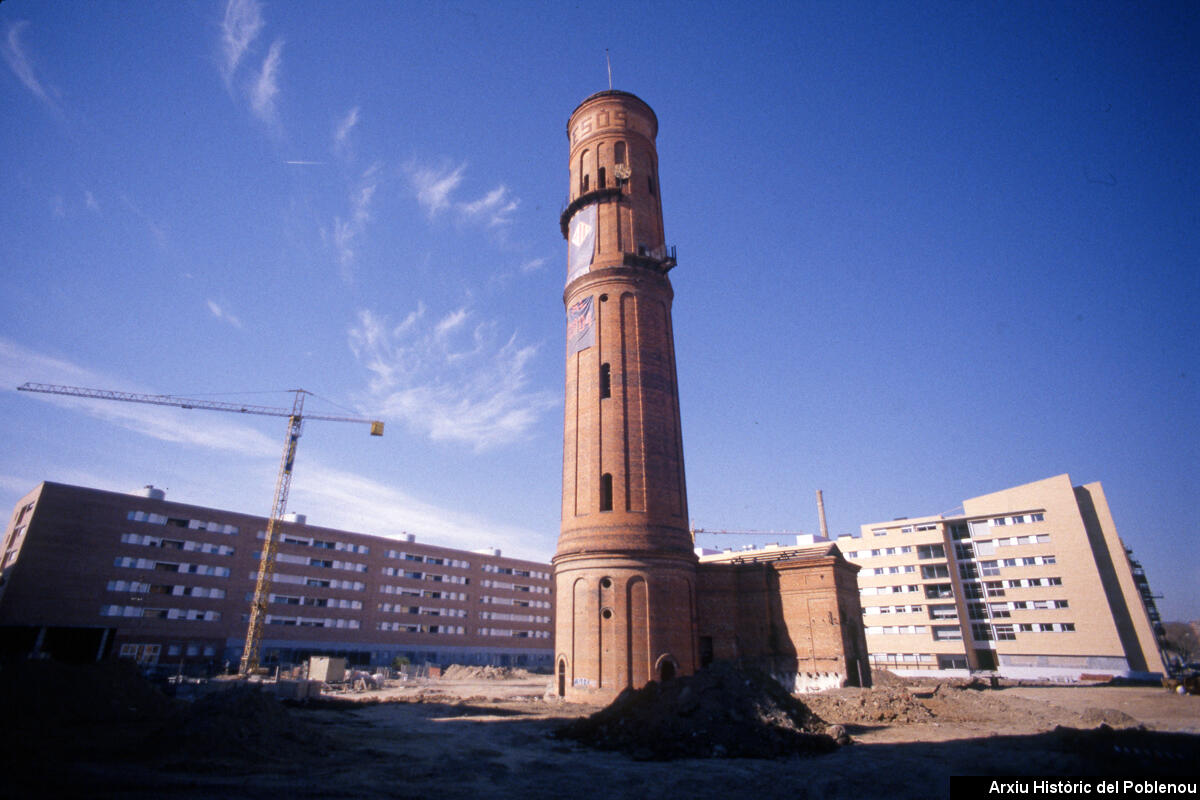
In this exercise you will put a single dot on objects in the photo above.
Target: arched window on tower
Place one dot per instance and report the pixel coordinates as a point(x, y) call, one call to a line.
point(600, 179)
point(619, 153)
point(605, 381)
point(650, 184)
point(583, 173)
point(606, 497)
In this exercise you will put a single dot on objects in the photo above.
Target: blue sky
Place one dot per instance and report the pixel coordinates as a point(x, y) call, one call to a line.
point(926, 251)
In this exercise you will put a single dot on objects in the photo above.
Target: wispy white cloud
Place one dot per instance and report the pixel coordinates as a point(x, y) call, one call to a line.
point(532, 265)
point(450, 379)
point(222, 313)
point(347, 231)
point(19, 364)
point(265, 88)
point(241, 25)
point(341, 134)
point(493, 210)
point(331, 497)
point(89, 199)
point(434, 185)
point(352, 502)
point(22, 66)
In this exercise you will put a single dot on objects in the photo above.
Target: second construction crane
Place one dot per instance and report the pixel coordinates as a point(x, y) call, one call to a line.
point(283, 482)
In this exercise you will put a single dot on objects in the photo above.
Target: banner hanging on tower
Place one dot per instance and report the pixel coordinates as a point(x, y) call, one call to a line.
point(581, 238)
point(581, 334)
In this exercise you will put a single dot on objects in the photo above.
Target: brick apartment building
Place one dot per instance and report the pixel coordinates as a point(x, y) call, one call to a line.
point(87, 573)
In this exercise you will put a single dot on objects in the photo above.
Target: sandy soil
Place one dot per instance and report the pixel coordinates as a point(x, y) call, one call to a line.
point(492, 738)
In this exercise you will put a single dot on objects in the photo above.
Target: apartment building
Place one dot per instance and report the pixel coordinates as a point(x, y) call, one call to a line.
point(1029, 582)
point(87, 573)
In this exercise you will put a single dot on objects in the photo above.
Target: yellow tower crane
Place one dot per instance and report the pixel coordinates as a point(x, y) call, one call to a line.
point(266, 564)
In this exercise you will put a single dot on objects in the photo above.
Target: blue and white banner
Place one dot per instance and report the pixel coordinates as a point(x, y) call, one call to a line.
point(581, 242)
point(581, 332)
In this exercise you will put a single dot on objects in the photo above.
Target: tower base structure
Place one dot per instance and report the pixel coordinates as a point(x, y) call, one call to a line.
point(623, 620)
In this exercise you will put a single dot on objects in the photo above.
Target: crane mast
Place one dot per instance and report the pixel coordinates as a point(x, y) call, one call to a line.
point(283, 481)
point(266, 563)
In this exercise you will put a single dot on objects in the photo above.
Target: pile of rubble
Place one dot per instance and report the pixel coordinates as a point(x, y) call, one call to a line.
point(888, 704)
point(53, 694)
point(109, 709)
point(458, 672)
point(720, 712)
point(242, 723)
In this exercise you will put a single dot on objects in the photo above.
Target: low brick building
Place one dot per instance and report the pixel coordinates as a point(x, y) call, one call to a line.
point(791, 611)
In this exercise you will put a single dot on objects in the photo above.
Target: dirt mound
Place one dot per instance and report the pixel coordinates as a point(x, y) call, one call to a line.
point(51, 694)
point(884, 677)
point(241, 723)
point(720, 711)
point(887, 704)
point(458, 672)
point(1112, 717)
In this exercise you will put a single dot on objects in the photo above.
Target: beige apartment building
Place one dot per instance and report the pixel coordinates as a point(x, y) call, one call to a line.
point(89, 573)
point(1029, 582)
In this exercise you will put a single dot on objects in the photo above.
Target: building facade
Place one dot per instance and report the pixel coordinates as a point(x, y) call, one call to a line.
point(1029, 582)
point(792, 612)
point(625, 573)
point(87, 573)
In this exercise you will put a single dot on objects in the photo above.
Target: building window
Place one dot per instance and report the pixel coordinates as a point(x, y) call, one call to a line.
point(999, 610)
point(606, 492)
point(619, 153)
point(650, 184)
point(935, 571)
point(948, 611)
point(937, 591)
point(925, 551)
point(605, 381)
point(1004, 633)
point(601, 180)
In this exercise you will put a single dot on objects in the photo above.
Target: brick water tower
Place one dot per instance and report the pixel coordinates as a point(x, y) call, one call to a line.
point(625, 573)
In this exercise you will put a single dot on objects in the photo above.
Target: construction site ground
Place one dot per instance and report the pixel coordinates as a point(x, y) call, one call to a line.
point(470, 735)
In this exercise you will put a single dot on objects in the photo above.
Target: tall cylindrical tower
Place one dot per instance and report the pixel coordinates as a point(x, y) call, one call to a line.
point(625, 573)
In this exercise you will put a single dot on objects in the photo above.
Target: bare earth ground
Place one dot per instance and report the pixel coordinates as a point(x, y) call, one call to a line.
point(491, 738)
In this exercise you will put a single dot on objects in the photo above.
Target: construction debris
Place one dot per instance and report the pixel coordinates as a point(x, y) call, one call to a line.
point(887, 704)
point(720, 712)
point(241, 723)
point(458, 672)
